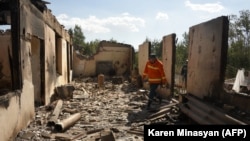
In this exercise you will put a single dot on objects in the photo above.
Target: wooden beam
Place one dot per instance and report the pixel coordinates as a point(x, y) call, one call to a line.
point(53, 119)
point(15, 58)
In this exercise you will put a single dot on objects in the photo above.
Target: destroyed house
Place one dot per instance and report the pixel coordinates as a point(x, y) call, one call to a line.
point(35, 57)
point(111, 59)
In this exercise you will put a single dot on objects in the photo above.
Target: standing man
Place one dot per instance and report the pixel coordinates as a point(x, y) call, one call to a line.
point(154, 74)
point(184, 70)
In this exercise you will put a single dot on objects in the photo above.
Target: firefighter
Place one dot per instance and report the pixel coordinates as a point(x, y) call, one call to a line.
point(154, 74)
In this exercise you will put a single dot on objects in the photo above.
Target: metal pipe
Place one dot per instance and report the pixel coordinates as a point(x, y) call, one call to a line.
point(68, 122)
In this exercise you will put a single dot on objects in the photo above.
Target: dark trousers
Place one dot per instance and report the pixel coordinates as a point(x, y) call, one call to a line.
point(184, 81)
point(153, 93)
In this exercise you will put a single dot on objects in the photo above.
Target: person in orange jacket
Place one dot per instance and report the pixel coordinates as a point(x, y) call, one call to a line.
point(154, 74)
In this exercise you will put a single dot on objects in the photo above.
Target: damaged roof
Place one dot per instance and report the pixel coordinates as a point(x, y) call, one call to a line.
point(40, 4)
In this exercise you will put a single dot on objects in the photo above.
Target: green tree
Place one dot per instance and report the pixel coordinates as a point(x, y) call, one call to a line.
point(78, 38)
point(181, 52)
point(85, 48)
point(238, 39)
point(156, 45)
point(70, 31)
point(91, 47)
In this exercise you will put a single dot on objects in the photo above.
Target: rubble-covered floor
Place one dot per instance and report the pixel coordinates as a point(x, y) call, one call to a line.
point(116, 112)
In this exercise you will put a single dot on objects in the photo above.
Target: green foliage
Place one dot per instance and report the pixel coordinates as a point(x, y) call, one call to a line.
point(91, 47)
point(78, 35)
point(86, 48)
point(181, 52)
point(78, 38)
point(156, 46)
point(238, 39)
point(70, 31)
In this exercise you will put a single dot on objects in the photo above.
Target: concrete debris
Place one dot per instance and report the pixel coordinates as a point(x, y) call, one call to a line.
point(115, 112)
point(107, 136)
point(65, 91)
point(117, 80)
point(28, 135)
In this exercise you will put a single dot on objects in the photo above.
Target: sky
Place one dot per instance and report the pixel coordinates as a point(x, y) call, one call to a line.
point(133, 21)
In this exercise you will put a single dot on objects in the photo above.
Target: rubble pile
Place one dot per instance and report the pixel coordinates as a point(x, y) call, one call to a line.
point(114, 112)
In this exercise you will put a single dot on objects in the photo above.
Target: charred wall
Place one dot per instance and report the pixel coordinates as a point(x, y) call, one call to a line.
point(168, 60)
point(144, 51)
point(207, 58)
point(5, 55)
point(111, 59)
point(30, 52)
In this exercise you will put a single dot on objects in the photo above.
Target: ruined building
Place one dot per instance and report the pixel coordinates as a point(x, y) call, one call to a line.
point(35, 57)
point(111, 59)
point(205, 100)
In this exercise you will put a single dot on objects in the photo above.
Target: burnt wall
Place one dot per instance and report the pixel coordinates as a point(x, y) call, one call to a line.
point(168, 60)
point(144, 50)
point(207, 58)
point(111, 59)
point(5, 55)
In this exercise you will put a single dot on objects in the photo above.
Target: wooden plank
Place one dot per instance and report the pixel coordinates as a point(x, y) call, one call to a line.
point(139, 133)
point(161, 112)
point(158, 117)
point(80, 135)
point(53, 119)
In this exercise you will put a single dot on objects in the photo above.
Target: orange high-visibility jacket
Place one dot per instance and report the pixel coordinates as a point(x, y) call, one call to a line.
point(155, 72)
